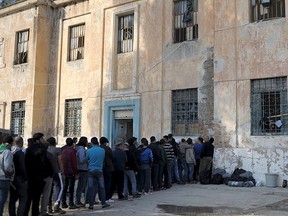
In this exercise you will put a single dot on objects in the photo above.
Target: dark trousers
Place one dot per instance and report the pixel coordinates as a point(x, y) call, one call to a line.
point(107, 181)
point(34, 191)
point(160, 175)
point(155, 174)
point(69, 182)
point(196, 170)
point(145, 179)
point(117, 182)
point(18, 192)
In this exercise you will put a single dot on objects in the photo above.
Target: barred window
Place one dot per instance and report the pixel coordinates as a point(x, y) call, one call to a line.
point(267, 9)
point(22, 39)
point(185, 112)
point(269, 108)
point(125, 33)
point(17, 117)
point(76, 47)
point(73, 117)
point(185, 20)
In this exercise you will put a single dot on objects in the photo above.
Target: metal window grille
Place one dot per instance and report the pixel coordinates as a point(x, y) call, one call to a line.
point(77, 37)
point(17, 117)
point(269, 108)
point(267, 9)
point(125, 33)
point(21, 55)
point(185, 20)
point(73, 117)
point(185, 112)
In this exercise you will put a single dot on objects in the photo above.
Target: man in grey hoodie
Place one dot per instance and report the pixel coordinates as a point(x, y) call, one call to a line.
point(6, 170)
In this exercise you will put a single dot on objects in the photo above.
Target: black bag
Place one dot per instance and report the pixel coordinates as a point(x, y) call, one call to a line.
point(217, 179)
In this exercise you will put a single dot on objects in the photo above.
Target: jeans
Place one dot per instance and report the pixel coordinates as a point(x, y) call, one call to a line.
point(129, 175)
point(4, 190)
point(82, 182)
point(196, 170)
point(58, 184)
point(184, 171)
point(96, 181)
point(160, 175)
point(69, 182)
point(145, 178)
point(190, 171)
point(175, 170)
point(46, 195)
point(18, 192)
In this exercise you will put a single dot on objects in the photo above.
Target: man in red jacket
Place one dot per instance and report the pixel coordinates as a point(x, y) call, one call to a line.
point(69, 161)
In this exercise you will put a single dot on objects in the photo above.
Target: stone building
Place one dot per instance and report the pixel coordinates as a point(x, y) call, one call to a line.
point(123, 68)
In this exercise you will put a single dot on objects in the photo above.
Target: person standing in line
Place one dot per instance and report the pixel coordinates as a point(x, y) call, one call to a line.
point(206, 156)
point(183, 146)
point(38, 168)
point(57, 179)
point(7, 170)
point(156, 160)
point(190, 160)
point(119, 161)
point(146, 160)
point(197, 149)
point(95, 159)
point(169, 162)
point(82, 169)
point(108, 167)
point(162, 163)
point(69, 161)
point(130, 173)
point(18, 188)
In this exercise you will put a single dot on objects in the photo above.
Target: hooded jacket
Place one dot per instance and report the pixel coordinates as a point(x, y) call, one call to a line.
point(7, 170)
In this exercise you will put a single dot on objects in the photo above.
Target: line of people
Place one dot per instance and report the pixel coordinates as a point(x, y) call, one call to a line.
point(43, 175)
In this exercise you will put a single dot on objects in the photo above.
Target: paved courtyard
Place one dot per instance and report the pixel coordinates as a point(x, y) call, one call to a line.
point(196, 199)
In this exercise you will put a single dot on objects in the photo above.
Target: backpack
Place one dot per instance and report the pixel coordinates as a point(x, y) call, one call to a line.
point(217, 179)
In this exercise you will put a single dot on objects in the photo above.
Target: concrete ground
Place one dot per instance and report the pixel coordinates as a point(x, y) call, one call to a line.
point(197, 199)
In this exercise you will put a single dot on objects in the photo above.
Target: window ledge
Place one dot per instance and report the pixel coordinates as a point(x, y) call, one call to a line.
point(75, 61)
point(269, 19)
point(20, 65)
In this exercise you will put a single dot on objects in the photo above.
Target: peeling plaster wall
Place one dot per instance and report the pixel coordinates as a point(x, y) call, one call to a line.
point(245, 51)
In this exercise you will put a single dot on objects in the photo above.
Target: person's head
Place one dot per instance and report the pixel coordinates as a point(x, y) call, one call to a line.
point(94, 141)
point(126, 147)
point(52, 141)
point(75, 140)
point(8, 140)
point(183, 140)
point(162, 142)
point(165, 137)
point(206, 138)
point(39, 138)
point(152, 139)
point(30, 142)
point(83, 141)
point(131, 141)
point(104, 141)
point(189, 141)
point(69, 142)
point(19, 141)
point(200, 139)
point(144, 141)
point(211, 140)
point(170, 136)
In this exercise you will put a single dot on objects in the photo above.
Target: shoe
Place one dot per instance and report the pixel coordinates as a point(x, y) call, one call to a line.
point(110, 201)
point(136, 196)
point(80, 205)
point(180, 183)
point(146, 194)
point(105, 205)
point(64, 205)
point(50, 210)
point(90, 207)
point(73, 207)
point(122, 198)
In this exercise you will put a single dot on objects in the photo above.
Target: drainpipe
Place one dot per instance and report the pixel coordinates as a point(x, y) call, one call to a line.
point(59, 74)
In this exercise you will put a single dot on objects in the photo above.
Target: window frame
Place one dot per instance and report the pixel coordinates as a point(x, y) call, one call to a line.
point(268, 12)
point(188, 98)
point(73, 115)
point(21, 45)
point(265, 110)
point(129, 43)
point(180, 28)
point(79, 49)
point(18, 115)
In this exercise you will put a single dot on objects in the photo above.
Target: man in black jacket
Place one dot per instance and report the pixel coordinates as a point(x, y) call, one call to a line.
point(156, 160)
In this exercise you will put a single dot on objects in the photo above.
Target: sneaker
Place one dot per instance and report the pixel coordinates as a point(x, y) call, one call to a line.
point(80, 205)
point(50, 210)
point(136, 196)
point(90, 207)
point(110, 201)
point(64, 205)
point(73, 207)
point(59, 211)
point(105, 205)
point(146, 194)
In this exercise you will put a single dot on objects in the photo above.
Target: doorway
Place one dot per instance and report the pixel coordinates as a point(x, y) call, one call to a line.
point(123, 129)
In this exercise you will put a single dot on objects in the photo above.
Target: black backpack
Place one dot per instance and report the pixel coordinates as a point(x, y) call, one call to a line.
point(217, 179)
